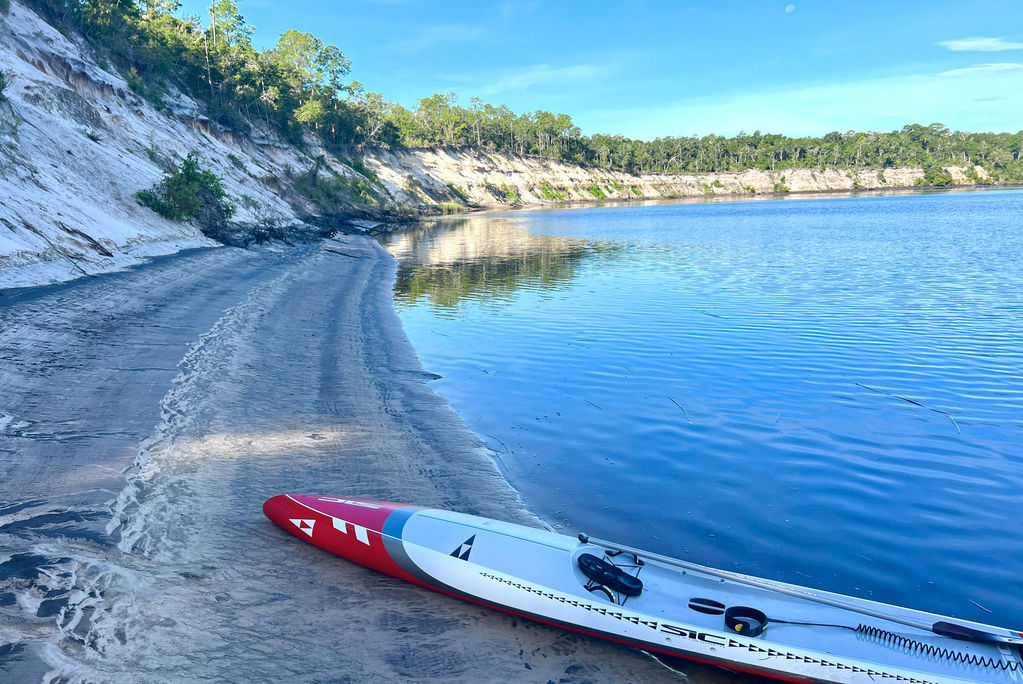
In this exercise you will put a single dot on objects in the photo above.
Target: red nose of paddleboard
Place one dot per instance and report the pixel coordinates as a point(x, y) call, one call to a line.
point(363, 531)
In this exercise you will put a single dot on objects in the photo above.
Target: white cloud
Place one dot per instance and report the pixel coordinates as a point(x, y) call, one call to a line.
point(980, 44)
point(790, 8)
point(1000, 67)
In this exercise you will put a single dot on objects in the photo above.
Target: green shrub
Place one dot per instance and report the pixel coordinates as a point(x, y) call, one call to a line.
point(458, 192)
point(149, 89)
point(330, 193)
point(5, 6)
point(3, 83)
point(597, 191)
point(548, 192)
point(135, 81)
point(974, 177)
point(237, 163)
point(360, 167)
point(410, 186)
point(190, 192)
point(934, 175)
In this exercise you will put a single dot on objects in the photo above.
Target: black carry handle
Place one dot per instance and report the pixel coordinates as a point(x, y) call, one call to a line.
point(954, 631)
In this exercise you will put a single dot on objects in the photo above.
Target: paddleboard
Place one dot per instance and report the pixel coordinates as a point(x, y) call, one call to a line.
point(653, 602)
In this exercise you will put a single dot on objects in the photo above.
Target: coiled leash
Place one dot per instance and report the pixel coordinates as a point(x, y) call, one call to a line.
point(750, 622)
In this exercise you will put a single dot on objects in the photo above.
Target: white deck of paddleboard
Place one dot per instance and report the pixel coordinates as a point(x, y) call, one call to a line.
point(536, 572)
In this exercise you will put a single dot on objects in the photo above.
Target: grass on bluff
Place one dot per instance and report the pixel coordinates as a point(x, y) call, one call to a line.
point(549, 192)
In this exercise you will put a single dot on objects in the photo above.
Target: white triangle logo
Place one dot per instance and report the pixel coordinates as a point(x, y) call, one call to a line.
point(304, 525)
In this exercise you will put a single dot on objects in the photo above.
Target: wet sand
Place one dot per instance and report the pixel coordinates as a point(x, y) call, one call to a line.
point(144, 418)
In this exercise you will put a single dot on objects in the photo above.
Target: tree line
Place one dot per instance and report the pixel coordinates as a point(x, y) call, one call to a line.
point(303, 84)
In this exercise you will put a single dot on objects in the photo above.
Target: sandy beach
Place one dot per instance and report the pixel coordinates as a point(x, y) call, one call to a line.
point(146, 416)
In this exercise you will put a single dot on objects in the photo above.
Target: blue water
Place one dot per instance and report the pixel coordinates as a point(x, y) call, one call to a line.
point(827, 392)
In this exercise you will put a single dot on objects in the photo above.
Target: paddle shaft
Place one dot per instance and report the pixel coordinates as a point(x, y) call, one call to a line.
point(941, 628)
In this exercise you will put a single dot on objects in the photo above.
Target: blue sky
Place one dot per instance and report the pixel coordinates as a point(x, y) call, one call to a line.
point(649, 69)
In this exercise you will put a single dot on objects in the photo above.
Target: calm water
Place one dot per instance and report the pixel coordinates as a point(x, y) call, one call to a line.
point(827, 391)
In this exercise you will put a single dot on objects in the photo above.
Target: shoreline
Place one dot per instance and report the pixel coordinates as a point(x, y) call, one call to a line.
point(306, 383)
point(460, 473)
point(722, 198)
